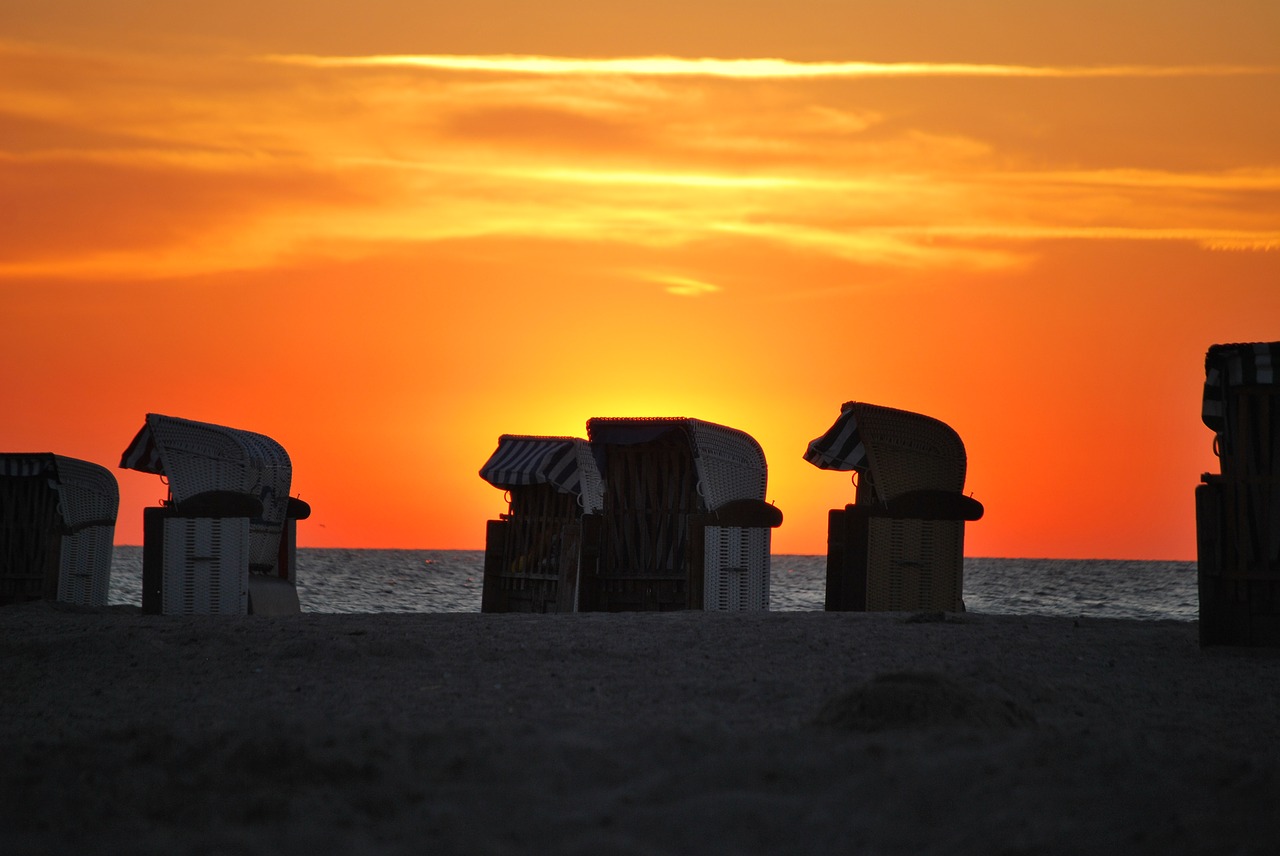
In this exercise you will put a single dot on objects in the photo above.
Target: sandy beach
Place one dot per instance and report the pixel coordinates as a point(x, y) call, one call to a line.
point(796, 733)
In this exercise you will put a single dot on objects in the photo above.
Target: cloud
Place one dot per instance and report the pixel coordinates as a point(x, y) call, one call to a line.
point(748, 69)
point(143, 167)
point(683, 286)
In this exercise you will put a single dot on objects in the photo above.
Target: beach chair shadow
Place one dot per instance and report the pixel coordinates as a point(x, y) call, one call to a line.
point(900, 545)
point(533, 551)
point(57, 524)
point(1238, 509)
point(684, 523)
point(225, 541)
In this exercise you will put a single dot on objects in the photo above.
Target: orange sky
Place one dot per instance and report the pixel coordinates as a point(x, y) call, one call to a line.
point(385, 234)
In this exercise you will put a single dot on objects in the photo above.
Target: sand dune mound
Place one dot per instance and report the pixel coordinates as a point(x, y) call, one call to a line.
point(920, 700)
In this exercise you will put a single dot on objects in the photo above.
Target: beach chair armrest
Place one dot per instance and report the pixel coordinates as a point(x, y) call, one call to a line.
point(219, 503)
point(929, 505)
point(748, 513)
point(297, 509)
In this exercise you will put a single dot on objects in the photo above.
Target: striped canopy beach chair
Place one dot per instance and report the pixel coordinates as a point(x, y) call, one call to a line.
point(57, 523)
point(900, 546)
point(532, 552)
point(1238, 509)
point(685, 524)
point(225, 540)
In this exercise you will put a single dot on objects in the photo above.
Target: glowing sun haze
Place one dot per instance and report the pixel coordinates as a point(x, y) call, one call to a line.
point(385, 234)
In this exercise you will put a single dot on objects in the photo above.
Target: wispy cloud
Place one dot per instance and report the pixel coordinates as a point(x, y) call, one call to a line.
point(133, 168)
point(751, 69)
point(683, 286)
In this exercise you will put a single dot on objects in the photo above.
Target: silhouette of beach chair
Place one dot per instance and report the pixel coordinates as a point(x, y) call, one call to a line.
point(684, 522)
point(900, 546)
point(225, 541)
point(57, 522)
point(1238, 510)
point(532, 552)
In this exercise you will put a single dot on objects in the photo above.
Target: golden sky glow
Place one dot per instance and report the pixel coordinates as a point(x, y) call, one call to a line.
point(385, 234)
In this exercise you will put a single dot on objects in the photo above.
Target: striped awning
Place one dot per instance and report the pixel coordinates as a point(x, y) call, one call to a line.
point(841, 447)
point(142, 453)
point(522, 460)
point(1236, 365)
point(26, 465)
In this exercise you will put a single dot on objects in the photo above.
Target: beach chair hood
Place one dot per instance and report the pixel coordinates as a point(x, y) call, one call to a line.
point(917, 463)
point(564, 463)
point(730, 463)
point(841, 447)
point(199, 459)
point(1234, 365)
point(88, 494)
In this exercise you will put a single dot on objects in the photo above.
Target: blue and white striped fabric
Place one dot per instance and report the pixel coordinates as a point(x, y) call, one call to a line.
point(143, 454)
point(1226, 366)
point(841, 447)
point(25, 465)
point(522, 460)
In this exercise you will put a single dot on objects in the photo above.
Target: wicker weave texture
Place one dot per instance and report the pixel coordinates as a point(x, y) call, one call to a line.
point(89, 494)
point(206, 568)
point(736, 575)
point(915, 565)
point(731, 464)
point(84, 570)
point(592, 485)
point(908, 451)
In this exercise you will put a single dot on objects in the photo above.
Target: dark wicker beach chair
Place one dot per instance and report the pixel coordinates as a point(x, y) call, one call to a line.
point(225, 540)
point(684, 523)
point(900, 546)
point(57, 523)
point(1238, 510)
point(532, 552)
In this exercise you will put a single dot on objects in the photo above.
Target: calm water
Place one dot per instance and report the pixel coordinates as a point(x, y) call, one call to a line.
point(450, 581)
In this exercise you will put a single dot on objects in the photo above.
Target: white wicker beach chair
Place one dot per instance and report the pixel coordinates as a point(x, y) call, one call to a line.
point(532, 552)
point(684, 523)
point(223, 543)
point(59, 517)
point(900, 546)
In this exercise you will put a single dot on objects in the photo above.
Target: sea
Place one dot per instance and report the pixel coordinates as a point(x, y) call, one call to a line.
point(345, 581)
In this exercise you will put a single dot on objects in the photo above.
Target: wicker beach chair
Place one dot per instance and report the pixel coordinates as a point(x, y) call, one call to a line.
point(684, 523)
point(57, 523)
point(225, 540)
point(1238, 510)
point(532, 552)
point(900, 546)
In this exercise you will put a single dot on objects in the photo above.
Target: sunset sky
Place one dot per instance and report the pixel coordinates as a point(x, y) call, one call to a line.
point(386, 232)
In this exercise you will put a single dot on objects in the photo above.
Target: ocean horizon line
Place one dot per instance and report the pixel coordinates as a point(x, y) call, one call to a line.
point(983, 558)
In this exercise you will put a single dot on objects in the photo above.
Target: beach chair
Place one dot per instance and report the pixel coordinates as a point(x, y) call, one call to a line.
point(1238, 509)
point(684, 525)
point(57, 523)
point(225, 540)
point(900, 545)
point(532, 552)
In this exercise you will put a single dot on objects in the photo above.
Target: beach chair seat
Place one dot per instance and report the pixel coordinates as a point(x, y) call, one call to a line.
point(57, 525)
point(684, 523)
point(1238, 509)
point(225, 539)
point(900, 545)
point(532, 552)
